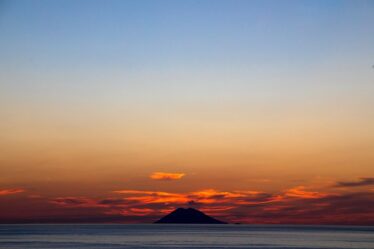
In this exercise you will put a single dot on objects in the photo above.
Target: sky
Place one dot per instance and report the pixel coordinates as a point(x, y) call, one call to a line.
point(251, 111)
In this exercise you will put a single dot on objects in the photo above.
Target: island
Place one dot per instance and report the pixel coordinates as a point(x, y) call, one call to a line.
point(188, 216)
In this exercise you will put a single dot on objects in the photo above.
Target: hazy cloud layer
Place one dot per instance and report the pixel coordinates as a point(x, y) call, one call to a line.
point(296, 205)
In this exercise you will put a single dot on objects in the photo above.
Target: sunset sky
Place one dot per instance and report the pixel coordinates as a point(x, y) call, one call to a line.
point(251, 111)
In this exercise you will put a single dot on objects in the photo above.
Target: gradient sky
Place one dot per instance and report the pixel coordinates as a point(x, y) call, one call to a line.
point(253, 111)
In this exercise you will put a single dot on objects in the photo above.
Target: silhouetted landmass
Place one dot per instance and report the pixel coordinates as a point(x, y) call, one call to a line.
point(188, 216)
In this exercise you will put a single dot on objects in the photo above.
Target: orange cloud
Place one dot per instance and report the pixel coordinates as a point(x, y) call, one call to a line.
point(153, 196)
point(220, 203)
point(142, 192)
point(163, 176)
point(297, 205)
point(209, 193)
point(205, 196)
point(300, 192)
point(137, 211)
point(210, 199)
point(11, 191)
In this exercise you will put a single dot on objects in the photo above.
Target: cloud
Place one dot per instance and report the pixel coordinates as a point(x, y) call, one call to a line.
point(364, 181)
point(113, 202)
point(163, 176)
point(153, 196)
point(345, 208)
point(209, 200)
point(11, 191)
point(296, 205)
point(293, 206)
point(300, 192)
point(74, 201)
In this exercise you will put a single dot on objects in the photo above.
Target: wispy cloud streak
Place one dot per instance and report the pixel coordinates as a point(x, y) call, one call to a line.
point(364, 181)
point(164, 176)
point(11, 191)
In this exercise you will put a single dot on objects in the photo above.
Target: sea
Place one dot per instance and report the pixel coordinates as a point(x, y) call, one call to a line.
point(185, 236)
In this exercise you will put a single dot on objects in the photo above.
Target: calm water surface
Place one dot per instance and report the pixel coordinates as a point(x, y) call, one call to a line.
point(185, 236)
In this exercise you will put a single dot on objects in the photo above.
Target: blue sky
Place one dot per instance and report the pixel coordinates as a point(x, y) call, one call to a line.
point(210, 49)
point(167, 34)
point(177, 47)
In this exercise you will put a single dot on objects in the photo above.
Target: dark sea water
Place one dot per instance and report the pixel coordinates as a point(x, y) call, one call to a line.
point(185, 236)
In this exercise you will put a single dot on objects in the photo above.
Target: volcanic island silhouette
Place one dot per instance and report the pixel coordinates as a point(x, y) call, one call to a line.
point(188, 216)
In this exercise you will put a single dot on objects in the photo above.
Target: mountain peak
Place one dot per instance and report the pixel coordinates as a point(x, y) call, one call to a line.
point(188, 216)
